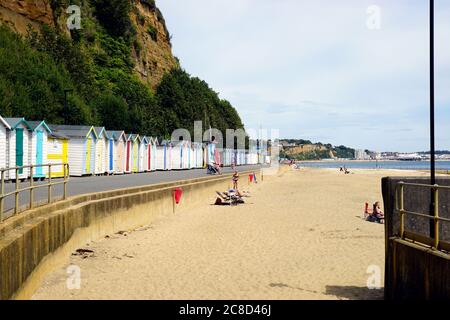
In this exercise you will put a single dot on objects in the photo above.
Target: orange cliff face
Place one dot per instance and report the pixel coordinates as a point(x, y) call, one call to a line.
point(152, 51)
point(154, 58)
point(18, 14)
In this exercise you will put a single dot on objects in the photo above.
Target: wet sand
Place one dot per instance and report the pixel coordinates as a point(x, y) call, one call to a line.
point(299, 236)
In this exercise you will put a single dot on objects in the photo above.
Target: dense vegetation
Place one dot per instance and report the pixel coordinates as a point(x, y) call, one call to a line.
point(95, 64)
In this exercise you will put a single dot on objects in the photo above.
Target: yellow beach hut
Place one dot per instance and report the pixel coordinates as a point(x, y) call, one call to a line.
point(81, 151)
point(57, 152)
point(135, 141)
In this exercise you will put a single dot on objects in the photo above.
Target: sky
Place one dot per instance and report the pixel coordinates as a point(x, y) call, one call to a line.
point(351, 72)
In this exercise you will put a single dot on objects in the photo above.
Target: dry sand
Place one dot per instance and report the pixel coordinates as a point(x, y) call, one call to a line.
point(300, 236)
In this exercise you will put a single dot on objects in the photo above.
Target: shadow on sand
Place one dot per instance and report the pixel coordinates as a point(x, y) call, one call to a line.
point(355, 293)
point(342, 292)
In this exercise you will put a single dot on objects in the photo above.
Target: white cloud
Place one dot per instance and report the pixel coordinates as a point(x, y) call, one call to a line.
point(314, 70)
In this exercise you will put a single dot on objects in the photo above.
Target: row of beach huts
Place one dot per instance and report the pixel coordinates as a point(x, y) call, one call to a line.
point(92, 150)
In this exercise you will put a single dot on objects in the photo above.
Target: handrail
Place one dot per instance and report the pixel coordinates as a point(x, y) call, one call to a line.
point(17, 190)
point(400, 208)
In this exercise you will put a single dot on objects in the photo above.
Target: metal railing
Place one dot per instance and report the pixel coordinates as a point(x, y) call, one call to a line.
point(433, 242)
point(19, 176)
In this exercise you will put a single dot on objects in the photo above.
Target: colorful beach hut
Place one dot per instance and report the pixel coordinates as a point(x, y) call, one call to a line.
point(128, 152)
point(38, 147)
point(134, 143)
point(81, 148)
point(164, 155)
point(197, 150)
point(119, 151)
point(143, 154)
point(160, 157)
point(4, 132)
point(186, 155)
point(152, 156)
point(57, 152)
point(110, 153)
point(18, 147)
point(101, 150)
point(177, 155)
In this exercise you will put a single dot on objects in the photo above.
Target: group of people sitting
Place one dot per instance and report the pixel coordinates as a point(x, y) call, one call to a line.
point(232, 196)
point(374, 215)
point(344, 170)
point(213, 169)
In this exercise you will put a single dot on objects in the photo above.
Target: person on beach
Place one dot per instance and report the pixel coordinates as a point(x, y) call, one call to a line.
point(377, 212)
point(235, 179)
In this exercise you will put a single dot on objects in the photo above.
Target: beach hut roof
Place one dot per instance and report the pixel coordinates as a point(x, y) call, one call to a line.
point(154, 140)
point(101, 131)
point(57, 135)
point(6, 124)
point(145, 139)
point(116, 135)
point(15, 122)
point(34, 125)
point(74, 131)
point(134, 137)
point(166, 142)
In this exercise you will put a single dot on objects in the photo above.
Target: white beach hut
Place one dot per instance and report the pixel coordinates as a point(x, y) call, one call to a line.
point(101, 150)
point(81, 153)
point(4, 131)
point(153, 153)
point(143, 154)
point(177, 155)
point(160, 156)
point(18, 147)
point(128, 153)
point(186, 155)
point(38, 147)
point(164, 159)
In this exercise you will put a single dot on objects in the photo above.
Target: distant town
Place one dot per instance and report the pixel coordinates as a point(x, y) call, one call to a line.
point(300, 150)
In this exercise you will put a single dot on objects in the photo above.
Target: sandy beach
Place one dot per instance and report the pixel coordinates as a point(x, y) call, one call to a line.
point(299, 236)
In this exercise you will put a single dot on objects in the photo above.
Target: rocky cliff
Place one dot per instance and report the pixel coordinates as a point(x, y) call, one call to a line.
point(152, 53)
point(18, 14)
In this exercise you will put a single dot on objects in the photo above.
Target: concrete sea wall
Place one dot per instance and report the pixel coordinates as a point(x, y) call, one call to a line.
point(40, 240)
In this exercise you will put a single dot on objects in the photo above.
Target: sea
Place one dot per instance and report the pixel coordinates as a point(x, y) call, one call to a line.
point(402, 165)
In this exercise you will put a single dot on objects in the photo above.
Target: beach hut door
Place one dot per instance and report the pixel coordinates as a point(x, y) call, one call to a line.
point(19, 149)
point(149, 157)
point(88, 155)
point(111, 155)
point(128, 155)
point(39, 152)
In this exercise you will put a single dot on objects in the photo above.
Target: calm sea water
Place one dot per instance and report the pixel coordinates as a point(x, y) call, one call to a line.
point(405, 165)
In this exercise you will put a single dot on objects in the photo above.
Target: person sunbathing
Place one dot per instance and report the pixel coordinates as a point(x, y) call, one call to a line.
point(377, 212)
point(376, 215)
